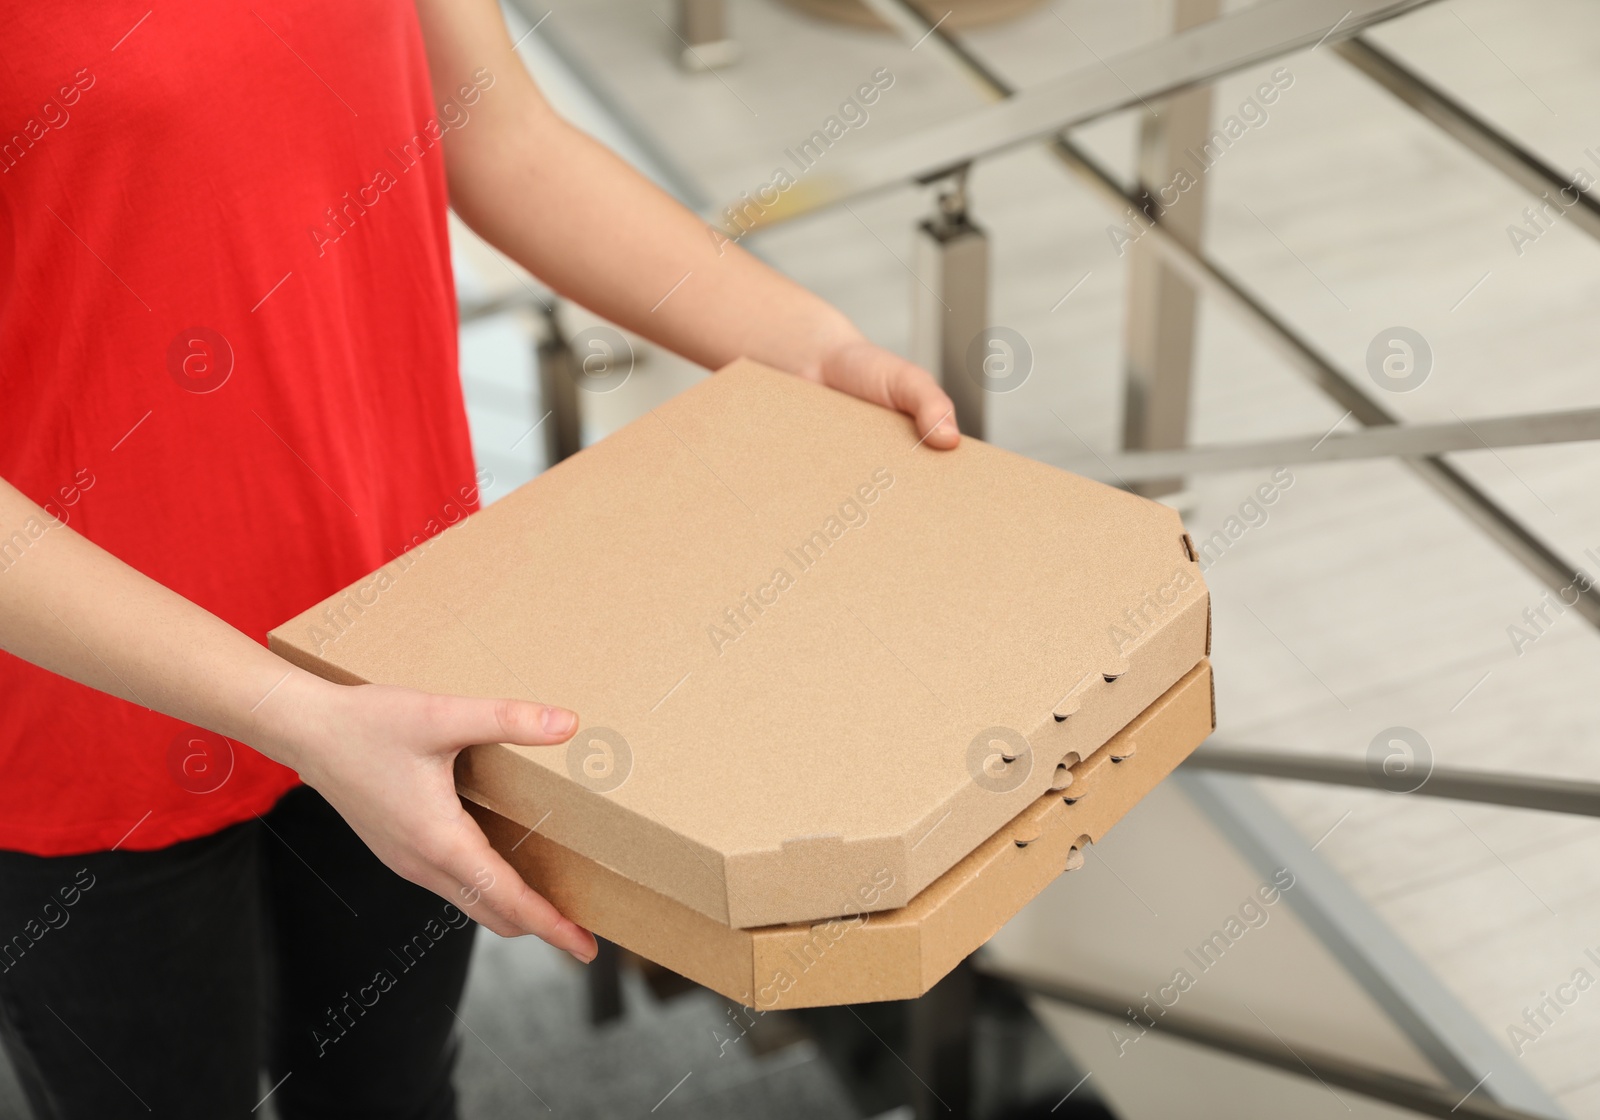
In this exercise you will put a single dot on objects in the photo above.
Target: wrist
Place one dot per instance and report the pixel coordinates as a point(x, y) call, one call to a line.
point(289, 720)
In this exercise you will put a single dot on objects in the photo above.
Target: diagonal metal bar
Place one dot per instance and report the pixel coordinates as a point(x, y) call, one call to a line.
point(1212, 50)
point(1416, 1001)
point(1539, 559)
point(1464, 1049)
point(1485, 141)
point(1518, 791)
point(1398, 440)
point(1376, 1084)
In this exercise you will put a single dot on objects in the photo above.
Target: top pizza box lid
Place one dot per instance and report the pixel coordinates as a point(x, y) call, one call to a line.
point(804, 647)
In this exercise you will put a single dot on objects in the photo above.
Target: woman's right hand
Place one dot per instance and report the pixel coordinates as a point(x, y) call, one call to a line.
point(385, 759)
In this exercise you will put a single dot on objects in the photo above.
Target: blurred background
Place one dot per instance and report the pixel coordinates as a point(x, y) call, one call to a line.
point(1365, 616)
point(1380, 245)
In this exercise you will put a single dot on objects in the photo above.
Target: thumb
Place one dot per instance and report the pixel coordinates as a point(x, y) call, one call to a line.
point(937, 425)
point(470, 721)
point(914, 391)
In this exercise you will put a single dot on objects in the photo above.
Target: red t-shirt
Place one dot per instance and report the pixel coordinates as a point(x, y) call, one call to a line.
point(227, 353)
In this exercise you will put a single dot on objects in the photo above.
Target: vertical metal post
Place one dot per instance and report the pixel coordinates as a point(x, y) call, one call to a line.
point(558, 391)
point(940, 1048)
point(1161, 304)
point(950, 305)
point(703, 27)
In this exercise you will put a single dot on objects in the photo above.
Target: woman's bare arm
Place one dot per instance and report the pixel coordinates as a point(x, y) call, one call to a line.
point(383, 757)
point(598, 232)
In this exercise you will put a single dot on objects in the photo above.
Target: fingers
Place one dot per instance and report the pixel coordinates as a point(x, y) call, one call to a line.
point(877, 375)
point(466, 721)
point(479, 880)
point(914, 392)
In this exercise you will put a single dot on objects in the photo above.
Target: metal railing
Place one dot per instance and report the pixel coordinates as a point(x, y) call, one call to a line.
point(1081, 98)
point(953, 260)
point(1191, 58)
point(1573, 796)
point(1409, 441)
point(1418, 447)
point(1301, 1061)
point(1488, 143)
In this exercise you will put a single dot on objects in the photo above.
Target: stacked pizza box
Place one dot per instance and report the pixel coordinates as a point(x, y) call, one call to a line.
point(847, 702)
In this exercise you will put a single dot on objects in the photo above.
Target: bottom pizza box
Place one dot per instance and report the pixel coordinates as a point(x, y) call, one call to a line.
point(888, 954)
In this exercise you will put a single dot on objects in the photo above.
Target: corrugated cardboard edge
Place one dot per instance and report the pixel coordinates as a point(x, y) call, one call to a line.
point(311, 663)
point(1086, 718)
point(895, 954)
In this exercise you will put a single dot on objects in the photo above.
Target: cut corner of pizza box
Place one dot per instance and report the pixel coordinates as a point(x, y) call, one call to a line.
point(806, 880)
point(887, 954)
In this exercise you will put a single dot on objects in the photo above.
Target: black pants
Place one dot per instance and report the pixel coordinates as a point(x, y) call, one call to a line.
point(161, 984)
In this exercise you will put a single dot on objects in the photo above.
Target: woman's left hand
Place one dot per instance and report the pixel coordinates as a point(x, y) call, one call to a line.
point(868, 371)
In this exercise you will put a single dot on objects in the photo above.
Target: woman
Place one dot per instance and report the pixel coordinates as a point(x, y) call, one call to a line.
point(227, 359)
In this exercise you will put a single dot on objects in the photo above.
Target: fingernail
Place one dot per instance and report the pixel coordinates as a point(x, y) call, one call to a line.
point(588, 953)
point(559, 721)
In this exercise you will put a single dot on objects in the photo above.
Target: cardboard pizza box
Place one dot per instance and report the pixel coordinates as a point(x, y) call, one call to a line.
point(804, 646)
point(892, 954)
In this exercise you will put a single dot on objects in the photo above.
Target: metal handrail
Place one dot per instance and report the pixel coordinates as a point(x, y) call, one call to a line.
point(1205, 276)
point(1386, 441)
point(1538, 558)
point(1329, 1069)
point(1574, 796)
point(1205, 53)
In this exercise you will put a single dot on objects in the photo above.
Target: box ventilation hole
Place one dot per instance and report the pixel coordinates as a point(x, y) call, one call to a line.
point(1112, 678)
point(1074, 859)
point(1188, 546)
point(1063, 777)
point(1026, 833)
point(1125, 751)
